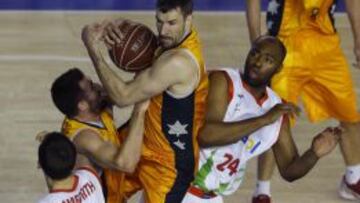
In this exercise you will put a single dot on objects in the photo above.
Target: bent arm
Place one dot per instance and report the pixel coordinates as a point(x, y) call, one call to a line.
point(290, 164)
point(253, 17)
point(215, 131)
point(106, 154)
point(149, 82)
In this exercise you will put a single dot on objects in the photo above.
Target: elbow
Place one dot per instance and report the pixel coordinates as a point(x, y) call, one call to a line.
point(120, 100)
point(203, 143)
point(204, 139)
point(289, 177)
point(127, 165)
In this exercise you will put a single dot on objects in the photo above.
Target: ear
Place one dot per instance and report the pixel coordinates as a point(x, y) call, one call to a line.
point(279, 68)
point(83, 105)
point(188, 21)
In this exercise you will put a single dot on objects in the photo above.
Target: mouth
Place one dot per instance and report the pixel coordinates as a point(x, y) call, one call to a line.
point(165, 39)
point(253, 73)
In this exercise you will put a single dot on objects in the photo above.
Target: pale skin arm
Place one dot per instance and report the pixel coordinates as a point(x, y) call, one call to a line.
point(217, 133)
point(291, 165)
point(353, 7)
point(107, 155)
point(253, 17)
point(174, 67)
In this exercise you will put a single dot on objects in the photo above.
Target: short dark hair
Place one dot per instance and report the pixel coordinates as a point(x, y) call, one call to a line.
point(66, 92)
point(57, 156)
point(186, 6)
point(273, 40)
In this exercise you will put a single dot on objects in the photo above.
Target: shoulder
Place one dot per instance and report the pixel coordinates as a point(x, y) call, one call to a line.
point(85, 138)
point(177, 58)
point(88, 172)
point(219, 77)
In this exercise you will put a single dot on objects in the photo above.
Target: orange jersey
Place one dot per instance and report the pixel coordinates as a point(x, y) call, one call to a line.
point(284, 17)
point(315, 68)
point(107, 132)
point(170, 119)
point(170, 150)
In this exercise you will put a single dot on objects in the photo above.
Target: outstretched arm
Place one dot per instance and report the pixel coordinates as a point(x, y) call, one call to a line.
point(149, 82)
point(290, 164)
point(353, 7)
point(107, 155)
point(215, 131)
point(253, 17)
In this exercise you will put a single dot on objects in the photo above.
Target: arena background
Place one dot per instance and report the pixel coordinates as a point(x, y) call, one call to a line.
point(40, 39)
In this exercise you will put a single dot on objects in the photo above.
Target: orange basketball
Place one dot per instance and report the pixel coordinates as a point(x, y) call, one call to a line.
point(137, 48)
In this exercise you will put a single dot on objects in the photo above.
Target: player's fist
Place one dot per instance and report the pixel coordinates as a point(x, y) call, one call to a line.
point(326, 141)
point(280, 109)
point(92, 33)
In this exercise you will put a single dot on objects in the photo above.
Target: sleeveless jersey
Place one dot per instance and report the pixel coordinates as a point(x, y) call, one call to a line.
point(222, 168)
point(172, 124)
point(284, 17)
point(86, 189)
point(107, 132)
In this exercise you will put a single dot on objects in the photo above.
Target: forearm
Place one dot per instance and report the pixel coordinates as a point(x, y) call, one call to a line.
point(353, 7)
point(220, 133)
point(300, 166)
point(253, 17)
point(113, 84)
point(130, 151)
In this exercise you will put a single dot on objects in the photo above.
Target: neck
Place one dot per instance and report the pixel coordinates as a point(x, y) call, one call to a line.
point(257, 92)
point(64, 184)
point(88, 117)
point(186, 33)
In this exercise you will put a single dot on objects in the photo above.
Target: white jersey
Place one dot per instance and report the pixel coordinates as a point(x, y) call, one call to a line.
point(87, 189)
point(221, 169)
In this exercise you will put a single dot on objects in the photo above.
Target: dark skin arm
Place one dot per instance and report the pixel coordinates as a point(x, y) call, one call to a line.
point(291, 165)
point(215, 131)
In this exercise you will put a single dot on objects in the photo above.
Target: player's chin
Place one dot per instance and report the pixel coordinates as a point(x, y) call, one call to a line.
point(166, 43)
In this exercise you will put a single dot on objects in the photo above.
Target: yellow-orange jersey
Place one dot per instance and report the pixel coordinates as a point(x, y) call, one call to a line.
point(170, 150)
point(108, 132)
point(287, 16)
point(319, 75)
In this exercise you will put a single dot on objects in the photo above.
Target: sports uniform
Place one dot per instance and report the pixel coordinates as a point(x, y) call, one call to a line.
point(315, 67)
point(107, 131)
point(86, 189)
point(170, 149)
point(221, 169)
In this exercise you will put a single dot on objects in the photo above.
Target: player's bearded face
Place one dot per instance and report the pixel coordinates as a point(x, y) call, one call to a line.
point(96, 97)
point(171, 27)
point(100, 101)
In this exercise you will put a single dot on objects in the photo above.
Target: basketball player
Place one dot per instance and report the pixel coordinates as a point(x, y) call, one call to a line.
point(177, 84)
point(316, 69)
point(245, 118)
point(57, 157)
point(89, 124)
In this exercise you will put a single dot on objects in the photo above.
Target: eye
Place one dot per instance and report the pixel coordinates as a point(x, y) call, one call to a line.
point(254, 52)
point(173, 22)
point(269, 59)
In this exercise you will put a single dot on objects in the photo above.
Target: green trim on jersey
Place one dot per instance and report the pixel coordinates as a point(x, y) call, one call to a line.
point(203, 172)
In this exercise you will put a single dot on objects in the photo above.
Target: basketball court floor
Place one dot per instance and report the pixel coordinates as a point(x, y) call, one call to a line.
point(35, 47)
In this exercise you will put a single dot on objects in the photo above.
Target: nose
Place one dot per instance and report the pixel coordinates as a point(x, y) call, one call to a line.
point(258, 60)
point(163, 29)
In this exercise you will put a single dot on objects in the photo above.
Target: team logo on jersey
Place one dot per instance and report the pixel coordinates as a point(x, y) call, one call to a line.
point(178, 129)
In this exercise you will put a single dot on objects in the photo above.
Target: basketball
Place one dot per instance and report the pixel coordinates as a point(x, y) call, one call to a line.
point(137, 48)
